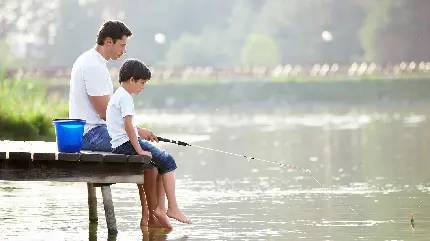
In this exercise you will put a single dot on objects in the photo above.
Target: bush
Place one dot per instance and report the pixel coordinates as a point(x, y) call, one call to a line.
point(26, 112)
point(260, 50)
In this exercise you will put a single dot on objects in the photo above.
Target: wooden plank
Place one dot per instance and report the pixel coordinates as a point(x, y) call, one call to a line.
point(72, 157)
point(91, 157)
point(40, 150)
point(139, 159)
point(115, 158)
point(44, 157)
point(20, 156)
point(102, 184)
point(43, 151)
point(68, 171)
point(138, 179)
point(47, 151)
point(3, 152)
point(18, 151)
point(3, 148)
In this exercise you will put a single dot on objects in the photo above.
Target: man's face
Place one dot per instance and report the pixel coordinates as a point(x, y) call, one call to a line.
point(117, 49)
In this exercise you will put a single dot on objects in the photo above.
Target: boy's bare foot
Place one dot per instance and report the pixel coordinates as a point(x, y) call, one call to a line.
point(162, 218)
point(154, 223)
point(178, 215)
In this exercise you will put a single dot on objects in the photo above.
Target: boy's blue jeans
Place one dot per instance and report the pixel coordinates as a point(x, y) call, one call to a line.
point(160, 158)
point(98, 139)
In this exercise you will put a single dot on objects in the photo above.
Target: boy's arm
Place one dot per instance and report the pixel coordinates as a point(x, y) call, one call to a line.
point(128, 124)
point(147, 134)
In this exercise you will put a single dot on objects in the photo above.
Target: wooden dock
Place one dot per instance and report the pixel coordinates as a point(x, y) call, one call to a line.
point(40, 161)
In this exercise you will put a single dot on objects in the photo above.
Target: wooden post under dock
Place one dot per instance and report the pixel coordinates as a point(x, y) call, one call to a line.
point(40, 161)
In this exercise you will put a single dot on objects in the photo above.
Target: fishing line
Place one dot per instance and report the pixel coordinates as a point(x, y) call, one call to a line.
point(305, 170)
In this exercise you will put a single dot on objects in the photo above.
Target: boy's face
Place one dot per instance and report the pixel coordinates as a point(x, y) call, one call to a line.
point(138, 85)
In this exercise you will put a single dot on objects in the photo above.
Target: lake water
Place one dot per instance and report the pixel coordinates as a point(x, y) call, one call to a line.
point(372, 161)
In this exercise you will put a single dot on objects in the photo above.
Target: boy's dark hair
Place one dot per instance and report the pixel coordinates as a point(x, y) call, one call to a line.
point(113, 29)
point(134, 68)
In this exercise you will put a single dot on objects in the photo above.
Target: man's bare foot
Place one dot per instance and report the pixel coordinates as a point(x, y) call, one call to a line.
point(162, 218)
point(144, 221)
point(154, 223)
point(178, 215)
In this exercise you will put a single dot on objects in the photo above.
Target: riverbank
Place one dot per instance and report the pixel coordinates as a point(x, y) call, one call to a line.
point(261, 94)
point(273, 94)
point(28, 107)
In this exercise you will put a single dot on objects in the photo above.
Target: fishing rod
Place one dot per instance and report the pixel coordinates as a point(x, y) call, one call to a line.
point(305, 170)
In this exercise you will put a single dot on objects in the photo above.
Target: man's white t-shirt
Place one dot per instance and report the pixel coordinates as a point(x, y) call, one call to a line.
point(120, 105)
point(90, 77)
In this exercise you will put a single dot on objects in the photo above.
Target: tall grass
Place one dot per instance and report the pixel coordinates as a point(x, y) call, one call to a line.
point(26, 112)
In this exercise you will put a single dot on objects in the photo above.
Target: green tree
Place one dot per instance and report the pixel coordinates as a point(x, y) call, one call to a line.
point(377, 17)
point(27, 22)
point(260, 50)
point(187, 50)
point(76, 31)
point(396, 31)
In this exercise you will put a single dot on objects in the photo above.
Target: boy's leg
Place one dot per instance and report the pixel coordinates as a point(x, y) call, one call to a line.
point(161, 195)
point(166, 166)
point(173, 210)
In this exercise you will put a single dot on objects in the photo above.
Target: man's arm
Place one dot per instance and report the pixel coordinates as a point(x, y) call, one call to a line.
point(100, 104)
point(97, 86)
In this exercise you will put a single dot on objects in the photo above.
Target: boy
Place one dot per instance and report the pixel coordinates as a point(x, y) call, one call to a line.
point(133, 75)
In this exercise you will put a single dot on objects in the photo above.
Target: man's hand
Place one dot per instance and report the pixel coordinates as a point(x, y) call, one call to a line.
point(146, 134)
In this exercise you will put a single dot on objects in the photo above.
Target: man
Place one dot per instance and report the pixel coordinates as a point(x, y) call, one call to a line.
point(90, 90)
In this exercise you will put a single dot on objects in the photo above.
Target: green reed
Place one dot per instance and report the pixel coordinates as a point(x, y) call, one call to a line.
point(26, 111)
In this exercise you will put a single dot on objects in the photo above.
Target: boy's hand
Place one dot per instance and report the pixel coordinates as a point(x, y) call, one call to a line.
point(147, 134)
point(145, 153)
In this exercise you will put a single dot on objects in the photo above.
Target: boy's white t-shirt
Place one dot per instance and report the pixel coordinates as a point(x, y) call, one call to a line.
point(120, 105)
point(90, 77)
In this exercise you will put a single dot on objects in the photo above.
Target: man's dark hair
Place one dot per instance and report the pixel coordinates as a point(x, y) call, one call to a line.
point(113, 29)
point(134, 68)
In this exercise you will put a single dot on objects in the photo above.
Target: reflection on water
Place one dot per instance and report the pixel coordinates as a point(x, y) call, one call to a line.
point(374, 161)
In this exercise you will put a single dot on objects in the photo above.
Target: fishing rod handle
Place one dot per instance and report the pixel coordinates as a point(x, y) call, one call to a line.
point(163, 139)
point(181, 143)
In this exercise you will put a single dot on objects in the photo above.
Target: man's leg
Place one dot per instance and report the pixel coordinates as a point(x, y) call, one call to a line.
point(149, 186)
point(160, 210)
point(145, 211)
point(97, 139)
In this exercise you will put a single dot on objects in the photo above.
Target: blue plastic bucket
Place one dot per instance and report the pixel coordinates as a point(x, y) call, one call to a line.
point(69, 134)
